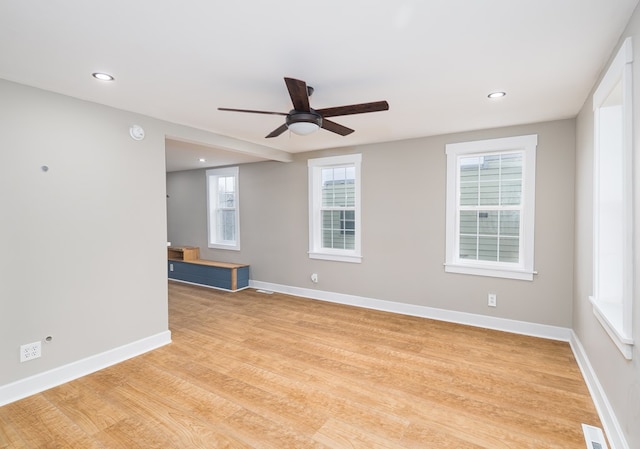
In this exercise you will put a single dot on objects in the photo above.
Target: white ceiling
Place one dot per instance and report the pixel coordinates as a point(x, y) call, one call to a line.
point(434, 61)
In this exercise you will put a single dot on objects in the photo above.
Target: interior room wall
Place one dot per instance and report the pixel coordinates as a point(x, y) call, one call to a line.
point(619, 378)
point(403, 227)
point(84, 243)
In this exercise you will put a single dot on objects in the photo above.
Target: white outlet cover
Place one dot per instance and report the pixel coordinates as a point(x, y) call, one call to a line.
point(30, 351)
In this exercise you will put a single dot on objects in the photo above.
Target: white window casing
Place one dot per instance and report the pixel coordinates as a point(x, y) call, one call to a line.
point(496, 220)
point(223, 208)
point(334, 208)
point(613, 201)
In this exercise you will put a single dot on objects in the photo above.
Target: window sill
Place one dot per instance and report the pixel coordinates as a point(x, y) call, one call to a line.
point(220, 246)
point(610, 317)
point(336, 257)
point(490, 271)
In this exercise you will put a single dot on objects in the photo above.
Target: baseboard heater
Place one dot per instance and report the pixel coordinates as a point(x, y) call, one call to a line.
point(594, 437)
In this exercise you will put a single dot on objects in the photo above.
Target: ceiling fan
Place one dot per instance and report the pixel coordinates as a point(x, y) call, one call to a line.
point(303, 120)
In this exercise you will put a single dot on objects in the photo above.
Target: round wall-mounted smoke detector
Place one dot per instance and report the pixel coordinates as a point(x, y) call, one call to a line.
point(136, 132)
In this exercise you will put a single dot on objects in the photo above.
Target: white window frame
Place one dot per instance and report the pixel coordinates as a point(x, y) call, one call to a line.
point(212, 208)
point(524, 269)
point(316, 251)
point(614, 310)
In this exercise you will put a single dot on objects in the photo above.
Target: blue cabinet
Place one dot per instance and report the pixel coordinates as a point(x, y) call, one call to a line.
point(226, 276)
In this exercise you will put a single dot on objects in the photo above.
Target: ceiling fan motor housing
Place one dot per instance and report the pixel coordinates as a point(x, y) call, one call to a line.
point(299, 117)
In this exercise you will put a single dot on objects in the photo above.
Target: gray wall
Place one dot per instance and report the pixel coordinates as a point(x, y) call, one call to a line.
point(403, 227)
point(620, 378)
point(84, 243)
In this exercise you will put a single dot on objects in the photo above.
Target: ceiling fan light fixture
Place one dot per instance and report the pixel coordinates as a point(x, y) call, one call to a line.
point(303, 128)
point(304, 123)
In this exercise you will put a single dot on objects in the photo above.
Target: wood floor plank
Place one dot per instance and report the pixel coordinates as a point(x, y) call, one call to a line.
point(250, 370)
point(41, 424)
point(85, 407)
point(340, 435)
point(9, 437)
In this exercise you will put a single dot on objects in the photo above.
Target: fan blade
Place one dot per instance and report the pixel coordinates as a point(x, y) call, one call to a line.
point(336, 127)
point(298, 93)
point(276, 132)
point(354, 109)
point(252, 111)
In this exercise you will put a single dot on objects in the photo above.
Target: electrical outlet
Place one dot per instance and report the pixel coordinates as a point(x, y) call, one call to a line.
point(492, 300)
point(170, 267)
point(30, 351)
point(314, 278)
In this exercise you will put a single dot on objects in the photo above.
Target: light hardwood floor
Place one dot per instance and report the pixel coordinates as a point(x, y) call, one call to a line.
point(252, 370)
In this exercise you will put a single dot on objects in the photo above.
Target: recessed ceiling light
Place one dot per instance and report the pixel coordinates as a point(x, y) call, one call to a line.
point(497, 94)
point(202, 159)
point(102, 76)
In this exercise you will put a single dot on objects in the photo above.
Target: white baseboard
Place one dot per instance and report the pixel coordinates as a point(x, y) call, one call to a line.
point(607, 416)
point(208, 286)
point(40, 382)
point(487, 322)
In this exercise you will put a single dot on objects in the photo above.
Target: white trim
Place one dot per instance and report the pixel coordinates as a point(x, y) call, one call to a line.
point(212, 236)
point(615, 314)
point(452, 316)
point(316, 251)
point(624, 343)
point(335, 257)
point(490, 271)
point(611, 78)
point(610, 423)
point(527, 145)
point(208, 286)
point(43, 381)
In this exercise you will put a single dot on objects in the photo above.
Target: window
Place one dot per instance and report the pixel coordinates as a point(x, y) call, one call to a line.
point(223, 208)
point(334, 208)
point(490, 207)
point(612, 209)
